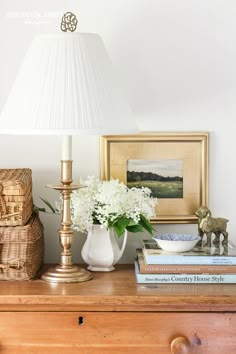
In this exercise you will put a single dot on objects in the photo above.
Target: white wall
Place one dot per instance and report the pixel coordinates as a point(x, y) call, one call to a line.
point(176, 60)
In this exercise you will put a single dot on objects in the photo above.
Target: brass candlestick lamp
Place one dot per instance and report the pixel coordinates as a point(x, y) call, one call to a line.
point(66, 86)
point(66, 272)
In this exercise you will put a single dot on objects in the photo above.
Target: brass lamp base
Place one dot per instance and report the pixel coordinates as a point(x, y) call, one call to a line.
point(66, 272)
point(73, 274)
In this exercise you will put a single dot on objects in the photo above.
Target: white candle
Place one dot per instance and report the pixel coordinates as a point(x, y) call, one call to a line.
point(66, 148)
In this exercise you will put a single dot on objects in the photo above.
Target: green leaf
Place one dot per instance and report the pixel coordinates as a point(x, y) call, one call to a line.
point(132, 222)
point(122, 222)
point(146, 225)
point(135, 228)
point(48, 204)
point(118, 231)
point(43, 210)
point(120, 225)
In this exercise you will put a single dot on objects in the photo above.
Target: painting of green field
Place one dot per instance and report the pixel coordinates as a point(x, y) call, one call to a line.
point(160, 189)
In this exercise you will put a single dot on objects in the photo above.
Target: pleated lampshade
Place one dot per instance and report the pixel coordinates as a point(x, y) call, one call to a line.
point(66, 85)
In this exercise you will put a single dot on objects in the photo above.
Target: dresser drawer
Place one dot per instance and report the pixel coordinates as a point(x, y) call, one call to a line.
point(113, 332)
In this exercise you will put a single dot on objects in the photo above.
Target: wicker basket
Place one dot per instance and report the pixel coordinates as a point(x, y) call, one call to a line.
point(16, 202)
point(21, 250)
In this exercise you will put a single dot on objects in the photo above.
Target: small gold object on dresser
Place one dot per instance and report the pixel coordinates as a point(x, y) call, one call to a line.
point(21, 250)
point(15, 196)
point(208, 225)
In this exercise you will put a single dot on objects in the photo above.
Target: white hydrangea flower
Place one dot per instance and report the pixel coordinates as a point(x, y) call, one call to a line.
point(105, 201)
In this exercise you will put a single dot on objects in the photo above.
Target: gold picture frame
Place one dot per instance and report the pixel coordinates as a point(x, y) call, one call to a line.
point(190, 150)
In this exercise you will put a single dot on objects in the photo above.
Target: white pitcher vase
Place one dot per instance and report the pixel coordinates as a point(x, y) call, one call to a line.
point(101, 250)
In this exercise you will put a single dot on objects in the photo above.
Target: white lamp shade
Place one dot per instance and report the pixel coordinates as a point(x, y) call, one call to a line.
point(66, 85)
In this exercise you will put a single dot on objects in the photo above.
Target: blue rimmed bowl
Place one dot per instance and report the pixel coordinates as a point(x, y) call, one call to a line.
point(176, 242)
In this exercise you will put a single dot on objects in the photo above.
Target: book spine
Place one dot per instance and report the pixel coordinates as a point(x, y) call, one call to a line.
point(180, 269)
point(184, 278)
point(193, 261)
point(187, 260)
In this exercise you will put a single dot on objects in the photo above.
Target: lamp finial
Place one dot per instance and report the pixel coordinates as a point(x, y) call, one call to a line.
point(69, 22)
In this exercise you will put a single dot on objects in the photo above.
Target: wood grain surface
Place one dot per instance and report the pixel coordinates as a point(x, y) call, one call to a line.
point(60, 332)
point(114, 314)
point(115, 291)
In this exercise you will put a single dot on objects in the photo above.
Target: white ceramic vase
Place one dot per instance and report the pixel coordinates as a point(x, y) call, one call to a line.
point(101, 250)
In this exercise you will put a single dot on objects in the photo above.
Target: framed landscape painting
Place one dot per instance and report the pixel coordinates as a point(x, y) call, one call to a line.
point(164, 177)
point(173, 165)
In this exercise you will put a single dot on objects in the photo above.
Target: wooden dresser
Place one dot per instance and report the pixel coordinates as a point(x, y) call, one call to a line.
point(113, 314)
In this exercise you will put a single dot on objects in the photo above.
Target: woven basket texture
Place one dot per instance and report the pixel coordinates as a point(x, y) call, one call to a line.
point(16, 203)
point(21, 250)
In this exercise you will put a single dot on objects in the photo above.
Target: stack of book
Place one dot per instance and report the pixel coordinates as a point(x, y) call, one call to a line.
point(201, 265)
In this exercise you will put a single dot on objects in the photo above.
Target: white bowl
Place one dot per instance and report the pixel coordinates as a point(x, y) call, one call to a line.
point(176, 242)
